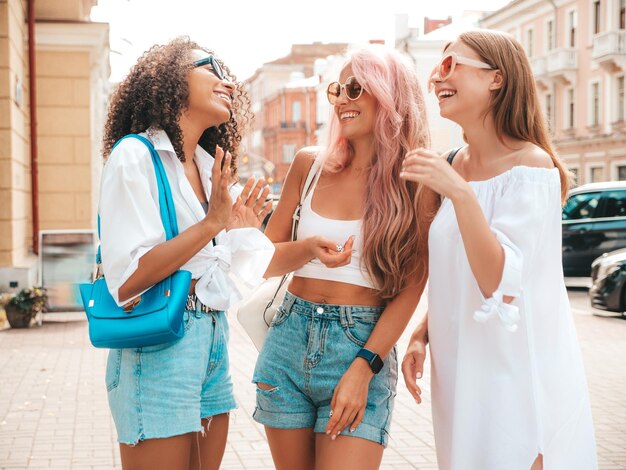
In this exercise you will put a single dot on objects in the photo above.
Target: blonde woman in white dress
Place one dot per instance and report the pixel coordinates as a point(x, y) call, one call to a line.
point(508, 385)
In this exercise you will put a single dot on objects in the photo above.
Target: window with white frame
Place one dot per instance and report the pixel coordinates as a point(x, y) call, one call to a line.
point(619, 115)
point(296, 112)
point(289, 150)
point(530, 42)
point(575, 177)
point(572, 24)
point(596, 16)
point(549, 35)
point(570, 101)
point(621, 172)
point(596, 173)
point(594, 117)
point(622, 14)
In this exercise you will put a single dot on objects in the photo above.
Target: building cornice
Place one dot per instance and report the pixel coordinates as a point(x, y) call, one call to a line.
point(72, 34)
point(518, 12)
point(76, 36)
point(613, 139)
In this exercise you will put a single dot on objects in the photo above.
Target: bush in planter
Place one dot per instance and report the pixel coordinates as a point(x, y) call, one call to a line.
point(25, 305)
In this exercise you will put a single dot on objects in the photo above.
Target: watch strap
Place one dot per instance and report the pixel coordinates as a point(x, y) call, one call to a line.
point(373, 359)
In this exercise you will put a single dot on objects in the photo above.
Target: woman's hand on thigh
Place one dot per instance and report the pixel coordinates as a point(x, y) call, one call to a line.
point(350, 398)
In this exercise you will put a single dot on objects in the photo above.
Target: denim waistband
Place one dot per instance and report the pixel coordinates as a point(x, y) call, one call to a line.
point(200, 313)
point(343, 313)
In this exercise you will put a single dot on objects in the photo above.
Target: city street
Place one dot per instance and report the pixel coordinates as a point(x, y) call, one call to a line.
point(54, 413)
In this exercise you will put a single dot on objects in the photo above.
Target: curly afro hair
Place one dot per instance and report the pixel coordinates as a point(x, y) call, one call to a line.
point(155, 93)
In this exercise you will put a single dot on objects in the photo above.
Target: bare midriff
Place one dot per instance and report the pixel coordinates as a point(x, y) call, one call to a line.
point(333, 293)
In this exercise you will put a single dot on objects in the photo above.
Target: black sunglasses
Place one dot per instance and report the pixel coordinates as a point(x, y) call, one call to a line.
point(215, 66)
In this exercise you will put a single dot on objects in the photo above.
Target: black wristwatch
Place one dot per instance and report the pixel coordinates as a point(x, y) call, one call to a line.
point(373, 359)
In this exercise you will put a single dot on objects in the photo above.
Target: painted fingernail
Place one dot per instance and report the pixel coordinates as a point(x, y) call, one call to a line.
point(419, 375)
point(334, 437)
point(327, 432)
point(352, 429)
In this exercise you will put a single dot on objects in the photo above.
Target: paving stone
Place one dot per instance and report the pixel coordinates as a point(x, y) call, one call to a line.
point(54, 411)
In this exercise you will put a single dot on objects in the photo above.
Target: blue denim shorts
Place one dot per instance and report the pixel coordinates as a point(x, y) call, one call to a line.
point(165, 390)
point(307, 350)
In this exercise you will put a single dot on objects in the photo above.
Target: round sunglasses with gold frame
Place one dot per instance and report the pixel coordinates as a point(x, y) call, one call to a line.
point(351, 87)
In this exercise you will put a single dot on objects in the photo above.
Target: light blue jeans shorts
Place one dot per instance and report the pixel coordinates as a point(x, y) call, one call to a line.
point(307, 350)
point(165, 390)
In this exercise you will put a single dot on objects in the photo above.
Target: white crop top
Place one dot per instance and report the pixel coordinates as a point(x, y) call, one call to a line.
point(312, 224)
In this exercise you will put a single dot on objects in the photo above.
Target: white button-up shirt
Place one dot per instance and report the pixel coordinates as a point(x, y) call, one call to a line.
point(130, 223)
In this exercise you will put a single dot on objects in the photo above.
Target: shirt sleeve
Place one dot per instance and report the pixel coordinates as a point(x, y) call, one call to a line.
point(130, 220)
point(518, 220)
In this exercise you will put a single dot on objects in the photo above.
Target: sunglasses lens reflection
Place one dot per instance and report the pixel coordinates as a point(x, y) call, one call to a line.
point(333, 92)
point(218, 69)
point(353, 88)
point(445, 68)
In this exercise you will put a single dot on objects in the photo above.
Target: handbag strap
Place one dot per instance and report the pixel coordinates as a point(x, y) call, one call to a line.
point(166, 202)
point(452, 154)
point(316, 166)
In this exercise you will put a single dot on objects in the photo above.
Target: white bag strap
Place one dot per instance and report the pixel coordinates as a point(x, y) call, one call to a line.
point(316, 166)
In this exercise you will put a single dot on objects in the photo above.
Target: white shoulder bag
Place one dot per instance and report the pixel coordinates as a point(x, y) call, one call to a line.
point(257, 312)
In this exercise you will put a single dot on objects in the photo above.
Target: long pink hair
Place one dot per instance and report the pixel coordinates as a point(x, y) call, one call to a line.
point(393, 223)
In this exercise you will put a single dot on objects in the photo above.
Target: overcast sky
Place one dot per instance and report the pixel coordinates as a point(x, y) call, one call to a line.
point(248, 33)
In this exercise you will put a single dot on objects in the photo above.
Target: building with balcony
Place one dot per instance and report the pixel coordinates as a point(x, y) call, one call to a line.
point(577, 50)
point(54, 69)
point(290, 124)
point(271, 78)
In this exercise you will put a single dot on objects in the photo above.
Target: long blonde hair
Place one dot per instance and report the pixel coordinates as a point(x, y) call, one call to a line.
point(515, 106)
point(392, 225)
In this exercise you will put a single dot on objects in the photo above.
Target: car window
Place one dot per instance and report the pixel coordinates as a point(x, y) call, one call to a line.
point(614, 204)
point(581, 206)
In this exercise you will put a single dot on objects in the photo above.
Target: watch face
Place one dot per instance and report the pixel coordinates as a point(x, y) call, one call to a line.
point(376, 364)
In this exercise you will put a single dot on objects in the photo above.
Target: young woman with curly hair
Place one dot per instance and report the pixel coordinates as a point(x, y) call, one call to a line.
point(170, 402)
point(327, 373)
point(508, 384)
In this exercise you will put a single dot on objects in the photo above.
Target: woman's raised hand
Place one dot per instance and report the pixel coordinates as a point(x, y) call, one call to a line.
point(252, 205)
point(426, 167)
point(220, 203)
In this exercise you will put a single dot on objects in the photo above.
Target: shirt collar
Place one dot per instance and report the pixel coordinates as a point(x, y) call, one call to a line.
point(204, 160)
point(161, 141)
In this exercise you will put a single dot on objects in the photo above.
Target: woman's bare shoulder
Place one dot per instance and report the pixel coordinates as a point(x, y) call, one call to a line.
point(535, 157)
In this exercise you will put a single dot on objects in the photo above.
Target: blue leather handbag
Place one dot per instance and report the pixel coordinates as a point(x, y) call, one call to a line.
point(156, 316)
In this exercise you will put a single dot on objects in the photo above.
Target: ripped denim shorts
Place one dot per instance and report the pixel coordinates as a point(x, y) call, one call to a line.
point(165, 390)
point(307, 350)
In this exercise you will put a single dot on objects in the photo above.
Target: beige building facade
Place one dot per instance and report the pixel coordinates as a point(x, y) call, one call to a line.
point(49, 178)
point(577, 50)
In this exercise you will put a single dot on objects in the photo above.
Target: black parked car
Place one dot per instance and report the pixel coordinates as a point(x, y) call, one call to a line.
point(608, 277)
point(594, 223)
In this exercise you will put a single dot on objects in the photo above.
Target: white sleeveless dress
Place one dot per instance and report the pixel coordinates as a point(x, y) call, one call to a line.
point(507, 380)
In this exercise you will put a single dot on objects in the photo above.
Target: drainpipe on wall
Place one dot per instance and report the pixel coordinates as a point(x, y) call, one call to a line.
point(33, 125)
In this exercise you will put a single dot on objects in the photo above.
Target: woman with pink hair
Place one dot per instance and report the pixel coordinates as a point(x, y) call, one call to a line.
point(328, 370)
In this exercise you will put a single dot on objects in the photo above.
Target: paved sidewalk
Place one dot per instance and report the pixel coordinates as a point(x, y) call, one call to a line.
point(54, 414)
